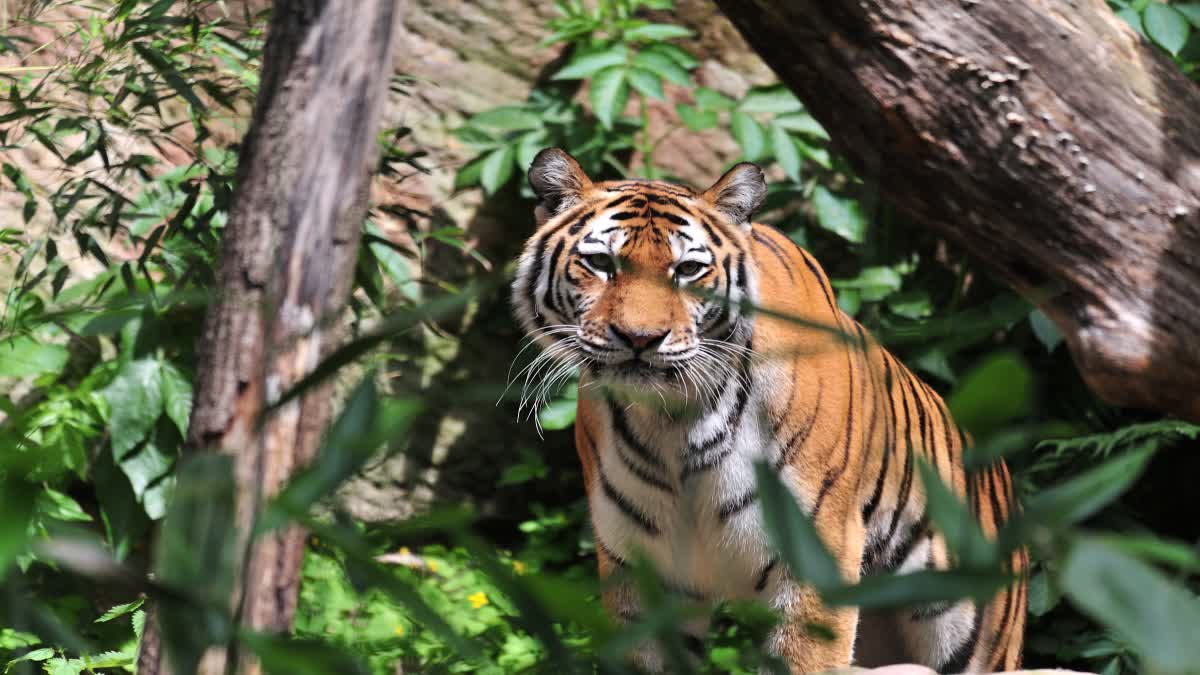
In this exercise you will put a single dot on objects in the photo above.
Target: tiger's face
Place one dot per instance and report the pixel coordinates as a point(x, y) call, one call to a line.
point(638, 283)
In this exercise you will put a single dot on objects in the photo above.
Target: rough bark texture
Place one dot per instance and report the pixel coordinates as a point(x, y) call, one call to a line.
point(287, 261)
point(1045, 137)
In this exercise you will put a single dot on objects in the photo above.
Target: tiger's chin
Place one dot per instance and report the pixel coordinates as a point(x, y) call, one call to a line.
point(639, 382)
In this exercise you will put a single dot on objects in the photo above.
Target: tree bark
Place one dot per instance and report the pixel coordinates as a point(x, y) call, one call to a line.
point(1044, 137)
point(288, 255)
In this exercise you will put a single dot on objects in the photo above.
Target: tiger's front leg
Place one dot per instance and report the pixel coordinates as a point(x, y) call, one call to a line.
point(622, 603)
point(813, 637)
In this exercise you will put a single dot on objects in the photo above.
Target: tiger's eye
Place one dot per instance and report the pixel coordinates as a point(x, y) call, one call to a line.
point(689, 268)
point(601, 262)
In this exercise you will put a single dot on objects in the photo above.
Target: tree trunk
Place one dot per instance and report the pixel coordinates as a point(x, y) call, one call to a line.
point(288, 255)
point(1044, 137)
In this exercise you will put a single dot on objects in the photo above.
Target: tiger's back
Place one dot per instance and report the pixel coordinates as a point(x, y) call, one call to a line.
point(843, 421)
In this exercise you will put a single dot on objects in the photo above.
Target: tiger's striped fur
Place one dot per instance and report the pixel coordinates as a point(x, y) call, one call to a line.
point(600, 286)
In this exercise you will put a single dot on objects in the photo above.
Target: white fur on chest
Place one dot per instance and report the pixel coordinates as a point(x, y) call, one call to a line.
point(702, 529)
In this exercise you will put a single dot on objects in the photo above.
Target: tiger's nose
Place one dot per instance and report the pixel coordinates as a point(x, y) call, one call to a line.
point(640, 340)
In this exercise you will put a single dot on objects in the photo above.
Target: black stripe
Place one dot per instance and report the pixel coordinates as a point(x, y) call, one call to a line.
point(671, 217)
point(961, 658)
point(994, 496)
point(726, 305)
point(912, 536)
point(834, 473)
point(774, 248)
point(800, 437)
point(731, 508)
point(931, 611)
point(643, 475)
point(777, 424)
point(548, 296)
point(730, 424)
point(816, 271)
point(711, 232)
point(618, 201)
point(1004, 618)
point(625, 215)
point(694, 645)
point(622, 426)
point(580, 222)
point(603, 548)
point(666, 201)
point(906, 482)
point(628, 508)
point(877, 494)
point(765, 575)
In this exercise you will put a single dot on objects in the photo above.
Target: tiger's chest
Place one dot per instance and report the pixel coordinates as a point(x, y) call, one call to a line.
point(684, 495)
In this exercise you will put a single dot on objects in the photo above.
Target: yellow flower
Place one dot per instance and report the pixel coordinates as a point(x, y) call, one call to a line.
point(518, 567)
point(404, 551)
point(400, 631)
point(477, 599)
point(432, 565)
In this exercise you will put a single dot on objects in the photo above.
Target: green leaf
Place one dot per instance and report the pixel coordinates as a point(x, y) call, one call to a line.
point(1150, 613)
point(663, 65)
point(840, 215)
point(951, 517)
point(136, 400)
point(43, 654)
point(169, 73)
point(793, 534)
point(506, 118)
point(1166, 26)
point(646, 82)
point(195, 557)
point(22, 356)
point(1078, 498)
point(1133, 18)
point(881, 591)
point(557, 415)
point(469, 175)
point(872, 283)
point(785, 152)
point(496, 169)
point(694, 119)
point(773, 99)
point(144, 467)
point(911, 304)
point(1191, 10)
point(1045, 330)
point(587, 64)
point(177, 396)
point(362, 428)
point(120, 610)
point(17, 499)
point(709, 100)
point(53, 504)
point(655, 32)
point(749, 135)
point(1156, 550)
point(608, 93)
point(676, 53)
point(802, 123)
point(996, 391)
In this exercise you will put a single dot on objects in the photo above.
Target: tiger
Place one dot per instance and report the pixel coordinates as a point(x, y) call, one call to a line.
point(651, 289)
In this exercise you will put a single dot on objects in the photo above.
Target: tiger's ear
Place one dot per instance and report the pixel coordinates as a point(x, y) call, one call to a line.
point(738, 193)
point(558, 181)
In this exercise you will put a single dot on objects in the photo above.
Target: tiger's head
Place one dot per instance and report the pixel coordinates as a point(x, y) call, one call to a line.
point(637, 283)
